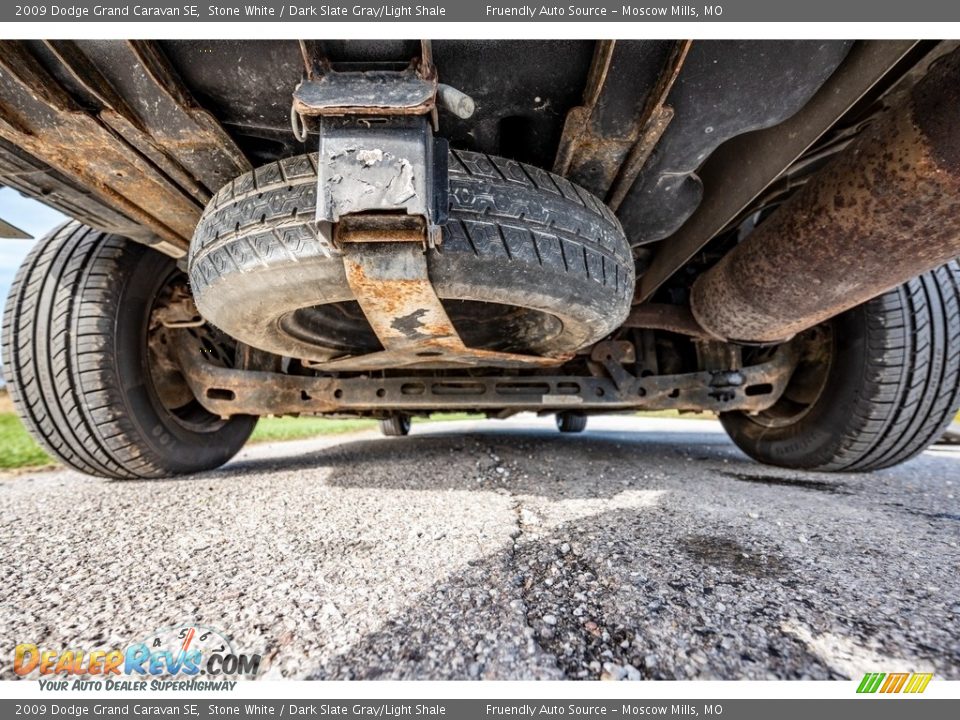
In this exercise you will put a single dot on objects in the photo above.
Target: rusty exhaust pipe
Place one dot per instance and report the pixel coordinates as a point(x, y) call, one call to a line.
point(885, 210)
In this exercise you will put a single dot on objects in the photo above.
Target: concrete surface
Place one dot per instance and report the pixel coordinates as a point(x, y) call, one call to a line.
point(644, 548)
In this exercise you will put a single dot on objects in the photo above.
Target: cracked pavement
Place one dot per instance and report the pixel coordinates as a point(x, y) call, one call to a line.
point(643, 548)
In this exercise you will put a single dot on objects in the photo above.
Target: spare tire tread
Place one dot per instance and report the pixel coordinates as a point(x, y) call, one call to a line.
point(224, 244)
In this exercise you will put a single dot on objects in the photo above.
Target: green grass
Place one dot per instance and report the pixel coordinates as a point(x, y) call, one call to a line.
point(447, 417)
point(290, 428)
point(17, 448)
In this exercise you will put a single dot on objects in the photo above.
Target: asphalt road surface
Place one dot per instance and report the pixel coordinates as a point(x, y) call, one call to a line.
point(643, 548)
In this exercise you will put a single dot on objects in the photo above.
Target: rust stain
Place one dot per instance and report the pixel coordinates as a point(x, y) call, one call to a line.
point(408, 317)
point(39, 116)
point(885, 210)
point(608, 165)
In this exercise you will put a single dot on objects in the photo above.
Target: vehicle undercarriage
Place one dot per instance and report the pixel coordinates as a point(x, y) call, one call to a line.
point(763, 230)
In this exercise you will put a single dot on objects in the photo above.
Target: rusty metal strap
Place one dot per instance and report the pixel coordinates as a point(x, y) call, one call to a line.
point(391, 283)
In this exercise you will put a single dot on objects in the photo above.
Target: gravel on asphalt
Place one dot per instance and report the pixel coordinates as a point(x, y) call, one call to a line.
point(643, 548)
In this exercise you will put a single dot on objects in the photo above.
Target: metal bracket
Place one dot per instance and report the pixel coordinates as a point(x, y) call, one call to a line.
point(180, 311)
point(390, 281)
point(612, 355)
point(381, 165)
point(412, 91)
point(228, 392)
point(377, 151)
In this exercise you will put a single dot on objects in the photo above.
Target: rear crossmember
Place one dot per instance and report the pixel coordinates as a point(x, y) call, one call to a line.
point(228, 392)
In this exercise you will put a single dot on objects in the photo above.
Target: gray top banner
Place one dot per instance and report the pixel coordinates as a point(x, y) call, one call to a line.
point(285, 11)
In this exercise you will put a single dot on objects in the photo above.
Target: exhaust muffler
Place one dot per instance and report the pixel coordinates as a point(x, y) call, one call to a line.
point(885, 210)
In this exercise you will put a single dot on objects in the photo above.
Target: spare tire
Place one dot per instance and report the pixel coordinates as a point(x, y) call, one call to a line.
point(529, 263)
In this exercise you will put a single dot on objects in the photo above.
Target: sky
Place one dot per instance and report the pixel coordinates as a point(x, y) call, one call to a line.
point(30, 216)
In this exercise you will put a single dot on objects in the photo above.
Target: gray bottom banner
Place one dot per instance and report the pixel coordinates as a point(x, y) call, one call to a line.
point(875, 708)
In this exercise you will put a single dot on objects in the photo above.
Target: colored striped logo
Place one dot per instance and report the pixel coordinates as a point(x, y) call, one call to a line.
point(895, 682)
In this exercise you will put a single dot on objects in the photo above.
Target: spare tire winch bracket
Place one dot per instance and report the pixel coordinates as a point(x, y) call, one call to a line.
point(377, 152)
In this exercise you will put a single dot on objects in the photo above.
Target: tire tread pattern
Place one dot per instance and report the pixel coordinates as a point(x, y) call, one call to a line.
point(899, 380)
point(911, 388)
point(58, 356)
point(499, 208)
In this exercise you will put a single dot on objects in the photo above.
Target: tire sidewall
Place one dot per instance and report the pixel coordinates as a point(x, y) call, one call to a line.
point(816, 439)
point(174, 447)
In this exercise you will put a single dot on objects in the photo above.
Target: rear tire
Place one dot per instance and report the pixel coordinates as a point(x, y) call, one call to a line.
point(75, 357)
point(891, 388)
point(395, 425)
point(568, 422)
